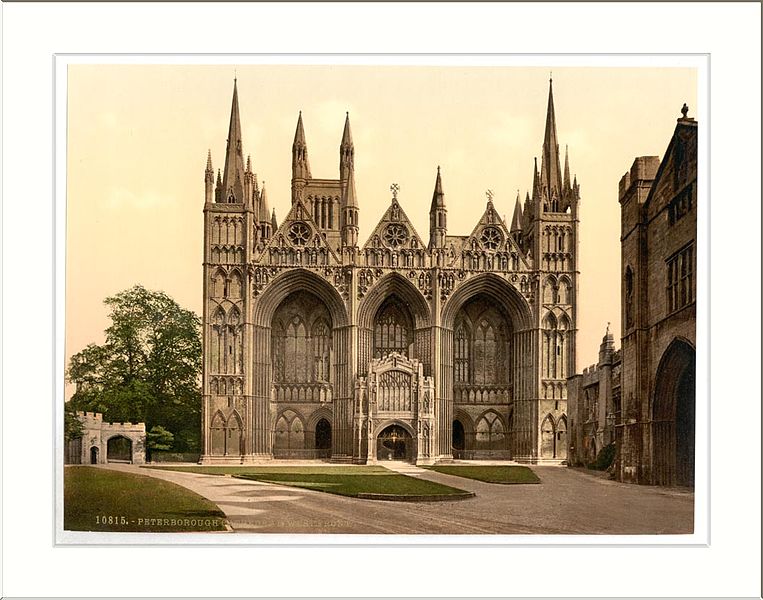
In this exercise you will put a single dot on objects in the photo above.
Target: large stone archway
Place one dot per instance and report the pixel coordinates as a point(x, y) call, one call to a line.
point(392, 288)
point(510, 331)
point(673, 416)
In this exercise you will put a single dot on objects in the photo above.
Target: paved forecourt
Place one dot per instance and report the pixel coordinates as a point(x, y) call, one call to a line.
point(567, 501)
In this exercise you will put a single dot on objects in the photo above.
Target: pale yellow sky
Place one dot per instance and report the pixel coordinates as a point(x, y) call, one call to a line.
point(138, 137)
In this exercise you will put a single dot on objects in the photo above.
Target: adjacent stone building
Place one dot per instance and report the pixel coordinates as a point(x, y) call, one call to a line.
point(318, 346)
point(655, 427)
point(644, 394)
point(593, 404)
point(106, 442)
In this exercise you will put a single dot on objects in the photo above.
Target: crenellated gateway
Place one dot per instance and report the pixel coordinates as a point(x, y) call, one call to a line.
point(318, 348)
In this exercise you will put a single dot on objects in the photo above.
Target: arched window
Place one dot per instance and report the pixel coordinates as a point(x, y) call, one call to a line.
point(485, 351)
point(290, 432)
point(321, 338)
point(217, 336)
point(628, 297)
point(547, 435)
point(234, 285)
point(489, 432)
point(461, 349)
point(301, 340)
point(481, 350)
point(218, 284)
point(295, 350)
point(393, 329)
point(561, 438)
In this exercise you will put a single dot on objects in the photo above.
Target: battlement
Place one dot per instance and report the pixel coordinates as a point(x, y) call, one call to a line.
point(644, 168)
point(95, 420)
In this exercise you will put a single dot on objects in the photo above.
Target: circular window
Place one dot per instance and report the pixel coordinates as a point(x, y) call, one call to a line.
point(395, 235)
point(299, 234)
point(491, 238)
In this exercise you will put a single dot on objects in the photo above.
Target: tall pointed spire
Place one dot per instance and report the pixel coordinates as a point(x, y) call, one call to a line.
point(438, 197)
point(438, 215)
point(550, 169)
point(350, 212)
point(264, 215)
point(209, 179)
point(233, 176)
point(516, 221)
point(346, 151)
point(566, 168)
point(300, 164)
point(274, 221)
point(350, 195)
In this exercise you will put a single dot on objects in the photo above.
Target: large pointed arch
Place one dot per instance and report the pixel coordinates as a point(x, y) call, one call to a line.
point(298, 279)
point(394, 284)
point(673, 416)
point(496, 288)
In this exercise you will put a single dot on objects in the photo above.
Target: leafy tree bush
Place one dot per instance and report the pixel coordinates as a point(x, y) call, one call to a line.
point(72, 425)
point(148, 370)
point(604, 458)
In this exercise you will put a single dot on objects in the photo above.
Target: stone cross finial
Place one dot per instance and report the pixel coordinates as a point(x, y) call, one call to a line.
point(684, 110)
point(489, 195)
point(394, 188)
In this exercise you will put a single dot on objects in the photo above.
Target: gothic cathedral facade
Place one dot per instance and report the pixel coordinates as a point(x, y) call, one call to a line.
point(318, 347)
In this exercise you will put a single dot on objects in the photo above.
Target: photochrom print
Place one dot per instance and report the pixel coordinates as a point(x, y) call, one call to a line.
point(381, 299)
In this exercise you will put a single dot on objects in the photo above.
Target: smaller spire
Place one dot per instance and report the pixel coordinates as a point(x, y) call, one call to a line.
point(438, 197)
point(264, 208)
point(347, 134)
point(516, 221)
point(566, 167)
point(219, 178)
point(299, 134)
point(274, 221)
point(209, 168)
point(350, 195)
point(248, 163)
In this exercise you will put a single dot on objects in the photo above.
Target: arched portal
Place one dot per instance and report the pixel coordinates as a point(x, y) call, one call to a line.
point(119, 449)
point(459, 439)
point(323, 439)
point(394, 443)
point(94, 455)
point(673, 430)
point(547, 438)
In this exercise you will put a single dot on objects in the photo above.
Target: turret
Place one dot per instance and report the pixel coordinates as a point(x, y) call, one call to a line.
point(350, 212)
point(516, 221)
point(219, 187)
point(264, 215)
point(248, 182)
point(274, 222)
point(209, 179)
point(346, 153)
point(233, 176)
point(438, 215)
point(300, 165)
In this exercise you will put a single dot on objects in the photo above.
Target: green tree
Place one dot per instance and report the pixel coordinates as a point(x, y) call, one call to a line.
point(149, 368)
point(72, 425)
point(159, 439)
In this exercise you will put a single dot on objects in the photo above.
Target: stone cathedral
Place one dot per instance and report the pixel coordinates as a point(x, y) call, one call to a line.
point(318, 346)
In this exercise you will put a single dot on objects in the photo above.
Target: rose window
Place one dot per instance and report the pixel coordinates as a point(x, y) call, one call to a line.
point(491, 238)
point(395, 235)
point(299, 234)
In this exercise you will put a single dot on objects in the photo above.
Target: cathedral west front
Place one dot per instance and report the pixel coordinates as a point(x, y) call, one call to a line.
point(319, 345)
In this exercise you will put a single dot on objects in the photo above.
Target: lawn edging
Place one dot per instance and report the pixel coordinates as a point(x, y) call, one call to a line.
point(415, 498)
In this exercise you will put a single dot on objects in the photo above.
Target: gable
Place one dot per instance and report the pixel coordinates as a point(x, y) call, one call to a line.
point(490, 235)
point(299, 241)
point(394, 231)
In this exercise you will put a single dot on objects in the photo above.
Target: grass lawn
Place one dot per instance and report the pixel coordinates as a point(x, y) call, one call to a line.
point(97, 499)
point(489, 473)
point(355, 481)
